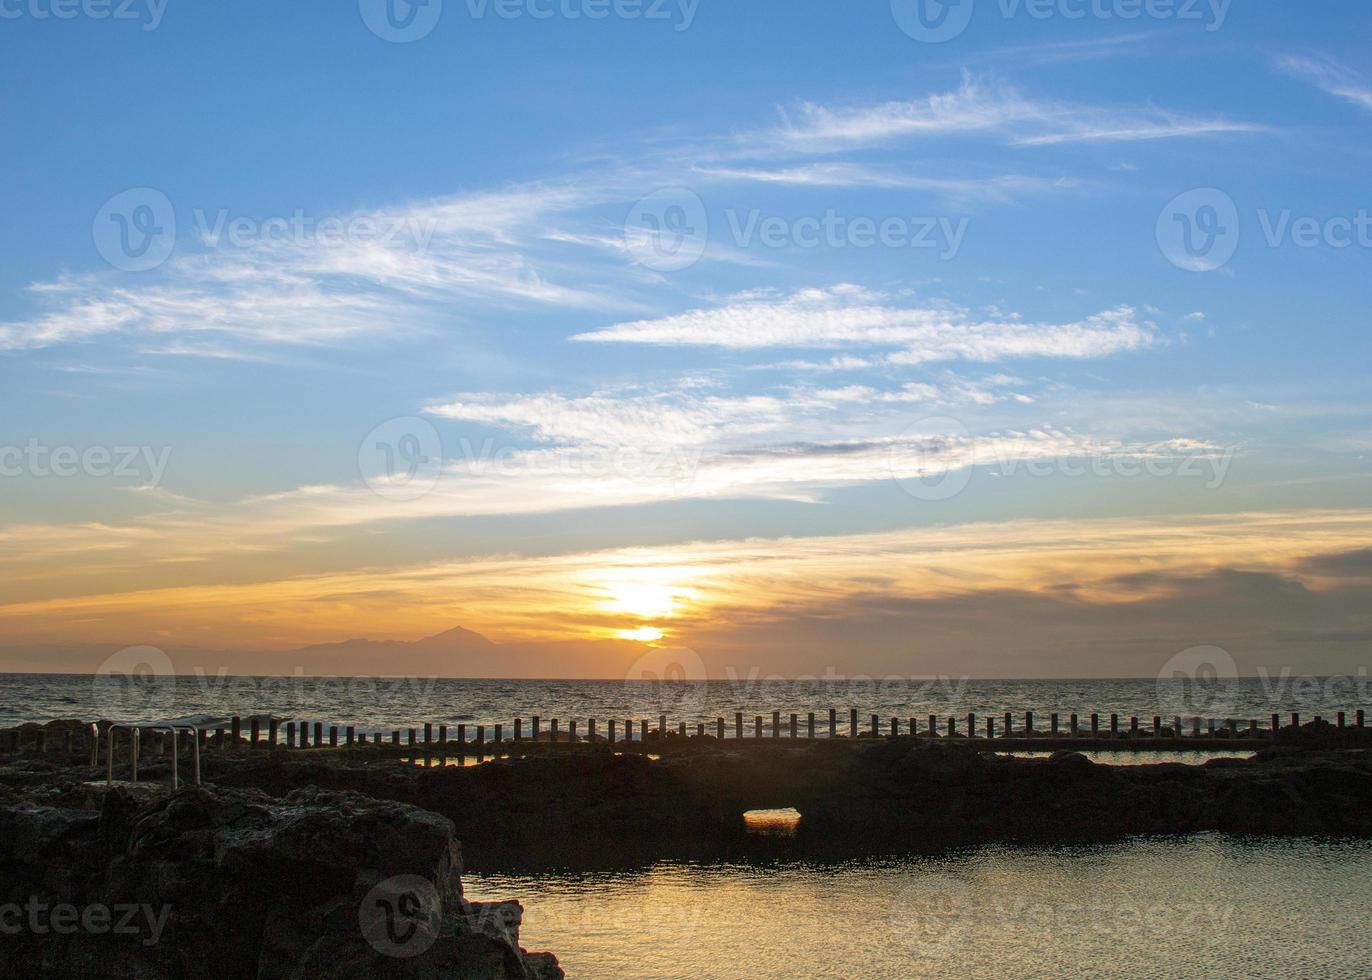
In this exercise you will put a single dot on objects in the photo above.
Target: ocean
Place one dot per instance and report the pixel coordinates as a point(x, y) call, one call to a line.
point(380, 704)
point(1205, 905)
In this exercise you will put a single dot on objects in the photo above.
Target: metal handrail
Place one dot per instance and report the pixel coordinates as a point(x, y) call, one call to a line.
point(134, 742)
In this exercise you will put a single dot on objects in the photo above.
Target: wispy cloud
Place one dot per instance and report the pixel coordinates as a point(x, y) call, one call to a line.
point(989, 108)
point(1002, 188)
point(848, 315)
point(1329, 75)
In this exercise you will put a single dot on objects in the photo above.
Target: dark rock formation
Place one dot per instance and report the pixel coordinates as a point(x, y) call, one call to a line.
point(592, 806)
point(240, 884)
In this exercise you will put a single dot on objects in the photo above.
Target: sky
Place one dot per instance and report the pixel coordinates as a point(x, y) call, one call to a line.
point(1015, 337)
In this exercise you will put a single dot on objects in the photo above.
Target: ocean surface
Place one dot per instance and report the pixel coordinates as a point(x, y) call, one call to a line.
point(379, 704)
point(1187, 907)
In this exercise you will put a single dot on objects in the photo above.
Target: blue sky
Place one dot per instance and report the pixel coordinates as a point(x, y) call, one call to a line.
point(706, 273)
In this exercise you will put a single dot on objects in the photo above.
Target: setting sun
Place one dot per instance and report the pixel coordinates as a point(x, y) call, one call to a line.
point(644, 634)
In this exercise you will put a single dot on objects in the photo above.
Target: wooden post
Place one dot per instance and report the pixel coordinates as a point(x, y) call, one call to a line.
point(1114, 724)
point(428, 733)
point(1295, 719)
point(914, 727)
point(1009, 725)
point(236, 729)
point(952, 725)
point(700, 729)
point(757, 727)
point(852, 722)
point(1276, 724)
point(290, 734)
point(1028, 724)
point(1133, 724)
point(933, 726)
point(333, 736)
point(318, 733)
point(481, 734)
point(413, 737)
point(776, 724)
point(794, 727)
point(499, 732)
point(1053, 724)
point(833, 723)
point(738, 724)
point(643, 730)
point(1072, 725)
point(219, 739)
point(1095, 724)
point(662, 725)
point(810, 725)
point(1340, 719)
point(681, 729)
point(535, 727)
point(1177, 730)
point(554, 729)
point(590, 729)
point(519, 729)
point(271, 733)
point(461, 734)
point(971, 725)
point(1157, 726)
point(719, 728)
point(612, 726)
point(1212, 727)
point(1357, 717)
point(254, 733)
point(990, 727)
point(876, 726)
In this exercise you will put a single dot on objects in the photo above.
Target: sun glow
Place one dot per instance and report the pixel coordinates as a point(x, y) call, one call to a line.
point(644, 634)
point(646, 593)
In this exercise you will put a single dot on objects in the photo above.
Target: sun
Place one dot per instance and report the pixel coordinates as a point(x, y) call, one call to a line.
point(644, 634)
point(646, 600)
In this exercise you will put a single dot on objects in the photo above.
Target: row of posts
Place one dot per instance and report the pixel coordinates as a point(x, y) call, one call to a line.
point(316, 734)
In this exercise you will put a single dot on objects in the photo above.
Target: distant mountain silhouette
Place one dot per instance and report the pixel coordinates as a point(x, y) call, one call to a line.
point(455, 652)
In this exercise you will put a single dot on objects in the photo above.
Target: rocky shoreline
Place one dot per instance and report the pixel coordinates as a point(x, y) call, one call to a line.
point(236, 883)
point(272, 868)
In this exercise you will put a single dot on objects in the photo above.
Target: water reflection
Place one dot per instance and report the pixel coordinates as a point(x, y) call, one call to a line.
point(783, 822)
point(1176, 907)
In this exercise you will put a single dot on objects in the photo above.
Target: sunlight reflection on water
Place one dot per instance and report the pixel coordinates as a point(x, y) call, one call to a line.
point(1203, 905)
